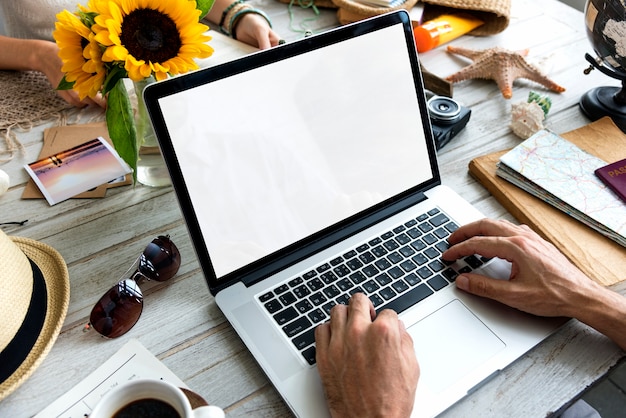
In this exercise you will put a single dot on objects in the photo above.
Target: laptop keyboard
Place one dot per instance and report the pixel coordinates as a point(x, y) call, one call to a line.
point(395, 270)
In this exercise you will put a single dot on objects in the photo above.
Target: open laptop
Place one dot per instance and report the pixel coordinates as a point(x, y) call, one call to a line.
point(308, 172)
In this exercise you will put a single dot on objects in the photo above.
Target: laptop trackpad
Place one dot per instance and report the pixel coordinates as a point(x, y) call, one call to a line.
point(450, 343)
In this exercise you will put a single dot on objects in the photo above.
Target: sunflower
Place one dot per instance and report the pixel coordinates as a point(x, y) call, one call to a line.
point(150, 37)
point(80, 54)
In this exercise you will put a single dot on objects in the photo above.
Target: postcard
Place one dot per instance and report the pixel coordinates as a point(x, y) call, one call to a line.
point(76, 170)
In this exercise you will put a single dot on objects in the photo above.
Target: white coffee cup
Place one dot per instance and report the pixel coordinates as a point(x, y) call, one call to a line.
point(139, 389)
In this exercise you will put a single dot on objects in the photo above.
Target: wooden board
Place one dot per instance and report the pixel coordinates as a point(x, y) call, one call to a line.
point(599, 257)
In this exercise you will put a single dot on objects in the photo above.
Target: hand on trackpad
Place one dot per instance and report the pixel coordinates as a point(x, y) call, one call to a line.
point(450, 343)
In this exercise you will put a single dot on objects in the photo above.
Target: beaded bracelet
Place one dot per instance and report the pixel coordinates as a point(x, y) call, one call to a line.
point(240, 13)
point(226, 10)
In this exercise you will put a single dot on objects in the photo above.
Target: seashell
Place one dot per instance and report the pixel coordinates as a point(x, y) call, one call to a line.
point(526, 119)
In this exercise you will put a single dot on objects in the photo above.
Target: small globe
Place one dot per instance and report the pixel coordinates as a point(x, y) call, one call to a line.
point(606, 28)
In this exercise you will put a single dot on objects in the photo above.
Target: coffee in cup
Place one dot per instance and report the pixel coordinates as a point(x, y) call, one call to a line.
point(150, 398)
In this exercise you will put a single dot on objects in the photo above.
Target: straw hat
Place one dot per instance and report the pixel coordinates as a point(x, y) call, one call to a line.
point(34, 296)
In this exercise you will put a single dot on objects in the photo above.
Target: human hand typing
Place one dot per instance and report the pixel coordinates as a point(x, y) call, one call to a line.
point(543, 282)
point(366, 361)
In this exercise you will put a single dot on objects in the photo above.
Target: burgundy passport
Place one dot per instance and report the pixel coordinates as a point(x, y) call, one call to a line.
point(614, 176)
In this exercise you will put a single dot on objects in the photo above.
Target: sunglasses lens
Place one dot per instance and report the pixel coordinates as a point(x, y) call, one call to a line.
point(160, 260)
point(118, 310)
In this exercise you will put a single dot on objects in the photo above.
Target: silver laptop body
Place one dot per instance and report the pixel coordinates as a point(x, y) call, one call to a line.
point(291, 160)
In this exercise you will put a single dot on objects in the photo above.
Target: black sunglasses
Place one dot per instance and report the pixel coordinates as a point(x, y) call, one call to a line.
point(119, 309)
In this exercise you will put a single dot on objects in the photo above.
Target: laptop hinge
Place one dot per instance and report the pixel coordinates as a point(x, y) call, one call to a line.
point(331, 236)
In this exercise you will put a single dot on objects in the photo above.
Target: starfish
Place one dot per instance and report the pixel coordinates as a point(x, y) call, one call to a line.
point(503, 66)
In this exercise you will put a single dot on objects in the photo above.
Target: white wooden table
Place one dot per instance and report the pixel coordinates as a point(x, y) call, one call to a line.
point(184, 328)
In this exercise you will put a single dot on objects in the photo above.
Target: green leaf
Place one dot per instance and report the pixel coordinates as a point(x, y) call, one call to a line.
point(204, 6)
point(114, 75)
point(121, 124)
point(65, 85)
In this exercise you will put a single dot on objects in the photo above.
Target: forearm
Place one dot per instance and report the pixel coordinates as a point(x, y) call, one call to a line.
point(22, 54)
point(605, 311)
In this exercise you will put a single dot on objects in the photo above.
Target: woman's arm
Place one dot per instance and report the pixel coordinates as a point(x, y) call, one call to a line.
point(39, 55)
point(243, 22)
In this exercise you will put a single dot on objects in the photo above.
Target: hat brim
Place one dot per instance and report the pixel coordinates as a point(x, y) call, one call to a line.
point(49, 303)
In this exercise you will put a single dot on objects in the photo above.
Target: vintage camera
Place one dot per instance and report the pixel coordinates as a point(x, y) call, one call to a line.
point(448, 117)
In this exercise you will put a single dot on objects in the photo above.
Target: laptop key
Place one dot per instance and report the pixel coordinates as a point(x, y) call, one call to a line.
point(376, 300)
point(383, 279)
point(328, 277)
point(424, 272)
point(437, 282)
point(336, 261)
point(287, 298)
point(358, 277)
point(436, 266)
point(331, 292)
point(382, 264)
point(301, 291)
point(303, 306)
point(323, 268)
point(316, 316)
point(362, 248)
point(349, 254)
point(296, 327)
point(451, 226)
point(344, 284)
point(425, 227)
point(432, 253)
point(473, 261)
point(370, 286)
point(317, 298)
point(400, 286)
point(408, 299)
point(354, 264)
point(315, 284)
point(439, 220)
point(341, 270)
point(412, 279)
point(430, 239)
point(450, 274)
point(395, 257)
point(370, 270)
point(387, 293)
point(343, 299)
point(286, 315)
point(403, 239)
point(273, 306)
point(281, 289)
point(442, 246)
point(265, 297)
point(327, 307)
point(305, 339)
point(309, 355)
point(396, 272)
point(367, 257)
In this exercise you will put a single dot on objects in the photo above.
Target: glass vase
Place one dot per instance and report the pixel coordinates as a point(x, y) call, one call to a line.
point(151, 168)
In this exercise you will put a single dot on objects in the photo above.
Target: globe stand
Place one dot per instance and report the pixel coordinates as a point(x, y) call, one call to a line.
point(605, 100)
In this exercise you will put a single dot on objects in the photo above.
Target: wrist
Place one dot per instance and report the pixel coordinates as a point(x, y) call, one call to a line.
point(232, 15)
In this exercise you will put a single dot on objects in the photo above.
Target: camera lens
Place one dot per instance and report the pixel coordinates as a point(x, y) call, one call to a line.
point(443, 108)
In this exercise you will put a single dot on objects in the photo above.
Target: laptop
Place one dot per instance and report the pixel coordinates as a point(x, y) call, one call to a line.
point(308, 172)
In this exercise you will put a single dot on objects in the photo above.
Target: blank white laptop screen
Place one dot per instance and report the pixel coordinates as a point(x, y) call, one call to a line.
point(269, 160)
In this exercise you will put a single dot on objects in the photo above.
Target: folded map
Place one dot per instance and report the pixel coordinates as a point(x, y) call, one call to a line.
point(560, 173)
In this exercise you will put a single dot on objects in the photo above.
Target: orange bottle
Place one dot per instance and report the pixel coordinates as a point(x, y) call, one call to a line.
point(443, 29)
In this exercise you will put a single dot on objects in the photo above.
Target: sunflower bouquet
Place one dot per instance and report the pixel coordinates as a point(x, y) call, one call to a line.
point(110, 40)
